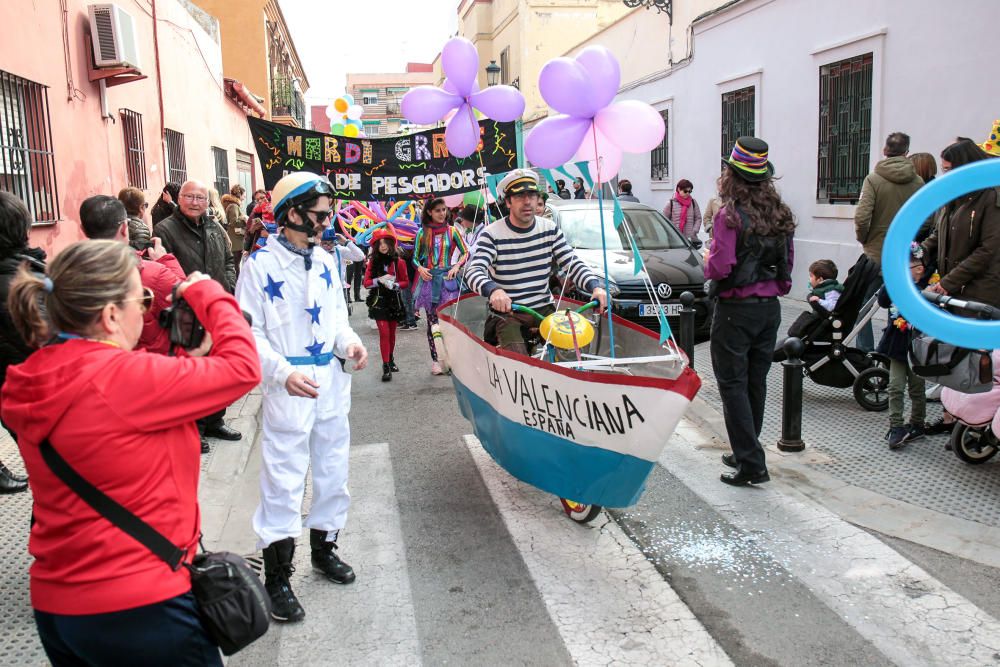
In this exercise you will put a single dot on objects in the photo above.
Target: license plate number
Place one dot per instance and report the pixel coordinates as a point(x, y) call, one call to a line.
point(650, 309)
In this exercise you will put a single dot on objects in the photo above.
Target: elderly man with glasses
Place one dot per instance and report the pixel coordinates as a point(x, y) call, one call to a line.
point(200, 244)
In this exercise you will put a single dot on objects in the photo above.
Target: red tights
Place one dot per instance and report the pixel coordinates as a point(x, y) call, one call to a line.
point(386, 338)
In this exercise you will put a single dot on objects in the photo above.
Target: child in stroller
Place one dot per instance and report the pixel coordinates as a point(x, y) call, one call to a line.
point(829, 356)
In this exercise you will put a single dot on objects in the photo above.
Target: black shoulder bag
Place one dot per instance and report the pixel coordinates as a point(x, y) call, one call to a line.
point(233, 604)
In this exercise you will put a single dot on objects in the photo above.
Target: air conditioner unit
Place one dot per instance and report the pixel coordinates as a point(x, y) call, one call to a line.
point(113, 32)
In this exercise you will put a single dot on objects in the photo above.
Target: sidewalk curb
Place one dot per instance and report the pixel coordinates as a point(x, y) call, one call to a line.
point(953, 535)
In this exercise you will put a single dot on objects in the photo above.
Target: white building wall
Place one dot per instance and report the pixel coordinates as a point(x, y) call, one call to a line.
point(933, 79)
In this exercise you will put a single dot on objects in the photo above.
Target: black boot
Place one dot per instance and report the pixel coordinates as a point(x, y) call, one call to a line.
point(11, 483)
point(278, 569)
point(386, 372)
point(392, 365)
point(326, 560)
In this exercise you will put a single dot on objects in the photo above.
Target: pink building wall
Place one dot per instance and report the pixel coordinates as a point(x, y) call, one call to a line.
point(89, 151)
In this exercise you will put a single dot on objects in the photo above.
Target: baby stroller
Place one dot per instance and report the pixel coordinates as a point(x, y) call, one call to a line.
point(829, 358)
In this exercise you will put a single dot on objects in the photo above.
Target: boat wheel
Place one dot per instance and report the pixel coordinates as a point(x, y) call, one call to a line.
point(579, 512)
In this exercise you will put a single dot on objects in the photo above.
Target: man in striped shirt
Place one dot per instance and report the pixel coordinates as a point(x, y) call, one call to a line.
point(513, 261)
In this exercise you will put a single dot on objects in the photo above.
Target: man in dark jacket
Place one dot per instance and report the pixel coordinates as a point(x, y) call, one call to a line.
point(200, 245)
point(885, 190)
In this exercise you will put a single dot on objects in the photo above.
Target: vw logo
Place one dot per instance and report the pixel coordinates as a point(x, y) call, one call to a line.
point(663, 290)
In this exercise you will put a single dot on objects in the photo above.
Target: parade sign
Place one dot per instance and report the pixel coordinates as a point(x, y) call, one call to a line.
point(414, 166)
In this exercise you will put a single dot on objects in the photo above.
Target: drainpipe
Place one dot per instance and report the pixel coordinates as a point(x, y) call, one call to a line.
point(159, 93)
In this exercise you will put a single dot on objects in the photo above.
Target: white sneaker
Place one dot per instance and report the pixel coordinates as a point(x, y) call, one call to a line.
point(436, 369)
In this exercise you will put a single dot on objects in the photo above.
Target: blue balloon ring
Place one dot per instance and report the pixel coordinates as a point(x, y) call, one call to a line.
point(932, 320)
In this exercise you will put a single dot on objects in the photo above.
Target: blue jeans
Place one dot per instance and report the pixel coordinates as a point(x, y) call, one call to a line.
point(167, 634)
point(410, 320)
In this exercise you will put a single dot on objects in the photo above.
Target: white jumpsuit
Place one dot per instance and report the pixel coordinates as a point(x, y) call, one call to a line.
point(300, 324)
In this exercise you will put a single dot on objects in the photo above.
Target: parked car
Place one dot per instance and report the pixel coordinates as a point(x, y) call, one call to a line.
point(671, 262)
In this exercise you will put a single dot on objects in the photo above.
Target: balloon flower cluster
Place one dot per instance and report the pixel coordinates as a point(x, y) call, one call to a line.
point(345, 117)
point(358, 220)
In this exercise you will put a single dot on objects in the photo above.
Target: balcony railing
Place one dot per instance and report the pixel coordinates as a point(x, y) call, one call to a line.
point(286, 101)
point(392, 108)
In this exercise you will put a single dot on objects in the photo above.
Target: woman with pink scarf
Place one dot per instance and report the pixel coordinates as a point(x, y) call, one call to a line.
point(683, 210)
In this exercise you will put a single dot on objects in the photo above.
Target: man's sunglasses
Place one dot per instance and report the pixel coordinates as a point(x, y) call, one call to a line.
point(321, 216)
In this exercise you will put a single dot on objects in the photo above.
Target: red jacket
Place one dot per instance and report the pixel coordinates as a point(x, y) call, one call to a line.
point(398, 270)
point(160, 276)
point(125, 422)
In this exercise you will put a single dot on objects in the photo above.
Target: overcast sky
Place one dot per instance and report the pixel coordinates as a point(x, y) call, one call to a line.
point(334, 37)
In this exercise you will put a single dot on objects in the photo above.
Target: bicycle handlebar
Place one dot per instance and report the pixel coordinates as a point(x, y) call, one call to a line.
point(530, 311)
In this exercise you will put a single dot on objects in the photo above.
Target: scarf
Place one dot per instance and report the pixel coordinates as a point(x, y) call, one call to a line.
point(304, 253)
point(432, 246)
point(685, 203)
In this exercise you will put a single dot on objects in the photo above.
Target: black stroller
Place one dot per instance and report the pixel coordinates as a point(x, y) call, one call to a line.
point(829, 358)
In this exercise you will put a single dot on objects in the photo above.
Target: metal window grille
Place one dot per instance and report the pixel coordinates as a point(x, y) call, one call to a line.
point(737, 117)
point(221, 169)
point(27, 163)
point(176, 159)
point(135, 149)
point(659, 159)
point(845, 128)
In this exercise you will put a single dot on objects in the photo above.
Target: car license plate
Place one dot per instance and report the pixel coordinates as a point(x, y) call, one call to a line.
point(650, 309)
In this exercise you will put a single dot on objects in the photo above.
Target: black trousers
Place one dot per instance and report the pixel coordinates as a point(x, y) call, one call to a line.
point(743, 337)
point(354, 275)
point(214, 420)
point(167, 633)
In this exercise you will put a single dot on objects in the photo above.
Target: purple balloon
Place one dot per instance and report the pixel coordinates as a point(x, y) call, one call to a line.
point(462, 134)
point(564, 85)
point(555, 140)
point(460, 63)
point(633, 126)
point(603, 157)
point(604, 74)
point(501, 103)
point(424, 105)
point(449, 87)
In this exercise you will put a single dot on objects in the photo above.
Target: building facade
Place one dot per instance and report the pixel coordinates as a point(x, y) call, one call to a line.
point(69, 130)
point(520, 36)
point(258, 50)
point(380, 94)
point(824, 98)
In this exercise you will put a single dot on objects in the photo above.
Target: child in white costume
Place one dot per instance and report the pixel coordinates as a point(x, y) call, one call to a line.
point(292, 289)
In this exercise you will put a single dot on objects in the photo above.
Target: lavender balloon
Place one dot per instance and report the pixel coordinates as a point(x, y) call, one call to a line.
point(589, 126)
point(460, 91)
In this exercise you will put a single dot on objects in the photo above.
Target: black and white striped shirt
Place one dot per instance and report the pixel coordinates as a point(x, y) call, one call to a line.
point(519, 261)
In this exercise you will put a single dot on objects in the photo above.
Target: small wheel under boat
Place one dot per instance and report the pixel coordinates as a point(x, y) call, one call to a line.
point(579, 512)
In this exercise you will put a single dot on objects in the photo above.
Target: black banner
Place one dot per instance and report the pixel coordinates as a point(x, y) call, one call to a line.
point(414, 166)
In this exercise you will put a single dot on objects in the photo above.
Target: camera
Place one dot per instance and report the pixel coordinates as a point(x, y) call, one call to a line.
point(182, 324)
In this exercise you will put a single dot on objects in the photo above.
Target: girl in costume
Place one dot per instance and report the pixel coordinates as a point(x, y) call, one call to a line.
point(439, 252)
point(385, 276)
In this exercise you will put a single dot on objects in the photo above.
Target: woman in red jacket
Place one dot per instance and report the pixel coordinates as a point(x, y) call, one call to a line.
point(385, 303)
point(126, 422)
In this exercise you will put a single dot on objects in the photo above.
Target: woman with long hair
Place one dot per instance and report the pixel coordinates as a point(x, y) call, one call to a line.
point(439, 252)
point(750, 262)
point(166, 204)
point(125, 422)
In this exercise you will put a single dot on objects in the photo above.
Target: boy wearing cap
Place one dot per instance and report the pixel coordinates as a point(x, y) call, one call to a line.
point(513, 261)
point(294, 293)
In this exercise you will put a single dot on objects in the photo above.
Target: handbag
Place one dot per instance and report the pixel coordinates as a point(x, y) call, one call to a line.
point(964, 370)
point(234, 607)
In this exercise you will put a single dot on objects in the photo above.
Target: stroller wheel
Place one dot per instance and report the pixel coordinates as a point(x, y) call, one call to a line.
point(973, 444)
point(871, 389)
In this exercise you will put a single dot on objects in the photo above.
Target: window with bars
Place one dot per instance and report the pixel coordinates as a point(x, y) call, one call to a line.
point(371, 129)
point(737, 117)
point(221, 158)
point(176, 159)
point(659, 158)
point(845, 128)
point(27, 163)
point(135, 149)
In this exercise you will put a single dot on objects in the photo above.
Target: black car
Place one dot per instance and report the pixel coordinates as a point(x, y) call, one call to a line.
point(671, 262)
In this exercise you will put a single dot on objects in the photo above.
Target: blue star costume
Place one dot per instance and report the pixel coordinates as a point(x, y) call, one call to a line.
point(300, 324)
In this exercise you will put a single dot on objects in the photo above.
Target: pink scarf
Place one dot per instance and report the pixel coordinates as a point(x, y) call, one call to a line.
point(685, 202)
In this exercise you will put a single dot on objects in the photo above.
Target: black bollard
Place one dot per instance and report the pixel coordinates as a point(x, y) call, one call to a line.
point(791, 405)
point(687, 326)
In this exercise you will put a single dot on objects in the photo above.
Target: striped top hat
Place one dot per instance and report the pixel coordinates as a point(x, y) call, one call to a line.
point(749, 160)
point(992, 143)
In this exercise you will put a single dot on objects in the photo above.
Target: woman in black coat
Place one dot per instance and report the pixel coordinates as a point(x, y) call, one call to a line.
point(15, 221)
point(166, 204)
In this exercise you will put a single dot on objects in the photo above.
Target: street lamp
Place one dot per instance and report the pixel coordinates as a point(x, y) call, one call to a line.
point(492, 73)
